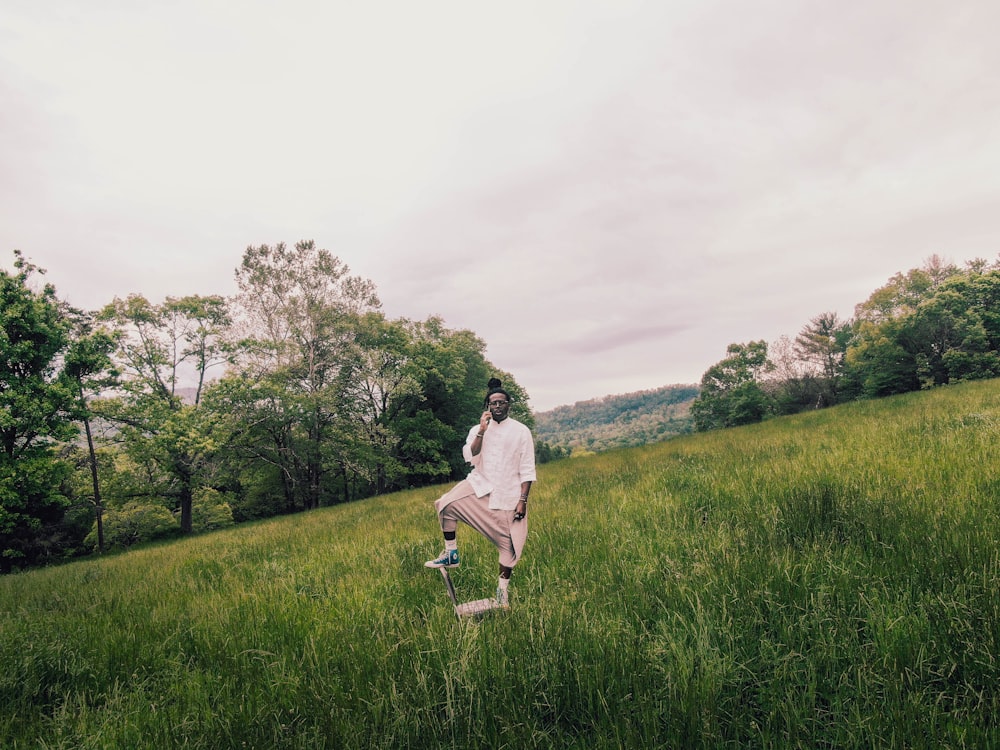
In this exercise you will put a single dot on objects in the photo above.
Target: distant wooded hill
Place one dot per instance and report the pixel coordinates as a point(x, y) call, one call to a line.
point(618, 421)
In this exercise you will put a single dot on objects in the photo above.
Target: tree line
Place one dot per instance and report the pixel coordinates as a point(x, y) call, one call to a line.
point(148, 419)
point(931, 326)
point(143, 420)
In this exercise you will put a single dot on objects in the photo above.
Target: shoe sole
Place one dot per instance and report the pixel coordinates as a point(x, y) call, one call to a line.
point(433, 564)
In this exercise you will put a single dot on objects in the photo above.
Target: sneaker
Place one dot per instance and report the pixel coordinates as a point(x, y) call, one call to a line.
point(503, 601)
point(447, 559)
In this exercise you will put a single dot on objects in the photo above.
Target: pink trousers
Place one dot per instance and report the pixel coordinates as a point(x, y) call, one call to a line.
point(461, 504)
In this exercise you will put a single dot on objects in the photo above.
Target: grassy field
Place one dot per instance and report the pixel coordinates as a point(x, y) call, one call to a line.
point(824, 580)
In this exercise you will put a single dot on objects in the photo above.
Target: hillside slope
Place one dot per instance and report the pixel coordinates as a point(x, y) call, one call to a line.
point(830, 579)
point(621, 421)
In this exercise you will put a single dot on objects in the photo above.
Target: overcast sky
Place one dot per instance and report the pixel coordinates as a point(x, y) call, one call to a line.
point(607, 192)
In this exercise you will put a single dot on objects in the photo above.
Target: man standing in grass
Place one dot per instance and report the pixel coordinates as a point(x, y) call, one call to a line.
point(493, 499)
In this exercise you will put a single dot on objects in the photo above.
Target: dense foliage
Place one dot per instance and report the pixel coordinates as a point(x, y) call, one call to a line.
point(616, 421)
point(731, 392)
point(201, 411)
point(931, 326)
point(37, 408)
point(198, 412)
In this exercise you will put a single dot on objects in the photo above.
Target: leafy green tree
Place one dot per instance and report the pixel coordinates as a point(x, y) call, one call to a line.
point(381, 393)
point(212, 510)
point(929, 327)
point(88, 367)
point(259, 423)
point(904, 292)
point(545, 453)
point(955, 331)
point(453, 372)
point(299, 316)
point(823, 344)
point(163, 428)
point(731, 390)
point(794, 385)
point(36, 409)
point(136, 522)
point(878, 364)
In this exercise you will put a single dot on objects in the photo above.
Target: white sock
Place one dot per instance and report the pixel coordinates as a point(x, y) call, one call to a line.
point(504, 583)
point(450, 544)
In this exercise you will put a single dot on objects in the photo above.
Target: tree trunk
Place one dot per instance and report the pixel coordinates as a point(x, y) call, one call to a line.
point(98, 504)
point(186, 499)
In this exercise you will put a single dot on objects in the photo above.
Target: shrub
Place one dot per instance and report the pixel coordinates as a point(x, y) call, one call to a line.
point(134, 523)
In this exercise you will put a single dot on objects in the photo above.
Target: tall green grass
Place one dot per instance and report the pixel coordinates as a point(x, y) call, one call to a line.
point(825, 580)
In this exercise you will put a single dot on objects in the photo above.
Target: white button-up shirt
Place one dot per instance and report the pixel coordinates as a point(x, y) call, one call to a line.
point(506, 459)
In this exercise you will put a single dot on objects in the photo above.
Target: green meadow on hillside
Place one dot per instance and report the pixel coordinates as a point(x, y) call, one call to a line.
point(825, 580)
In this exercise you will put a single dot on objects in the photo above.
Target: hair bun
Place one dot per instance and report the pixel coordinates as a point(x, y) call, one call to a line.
point(494, 383)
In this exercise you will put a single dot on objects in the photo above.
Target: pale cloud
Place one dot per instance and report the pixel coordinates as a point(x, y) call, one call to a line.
point(607, 193)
